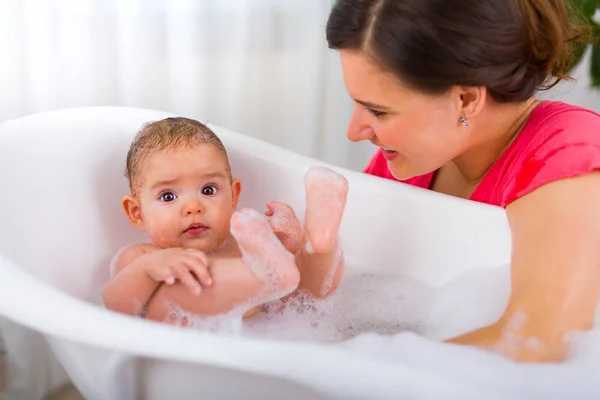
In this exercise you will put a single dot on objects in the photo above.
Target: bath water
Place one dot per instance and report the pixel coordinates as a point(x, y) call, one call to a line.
point(398, 319)
point(374, 303)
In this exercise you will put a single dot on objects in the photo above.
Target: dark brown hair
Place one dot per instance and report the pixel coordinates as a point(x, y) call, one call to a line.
point(512, 47)
point(167, 134)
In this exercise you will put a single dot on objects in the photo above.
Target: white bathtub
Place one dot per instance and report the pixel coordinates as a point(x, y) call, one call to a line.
point(61, 222)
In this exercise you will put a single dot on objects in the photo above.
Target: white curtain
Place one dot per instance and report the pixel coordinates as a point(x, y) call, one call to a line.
point(258, 67)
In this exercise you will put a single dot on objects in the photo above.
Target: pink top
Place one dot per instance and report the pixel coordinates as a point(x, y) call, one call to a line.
point(558, 141)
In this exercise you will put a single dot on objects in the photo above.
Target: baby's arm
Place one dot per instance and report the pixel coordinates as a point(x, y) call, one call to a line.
point(131, 288)
point(140, 270)
point(270, 275)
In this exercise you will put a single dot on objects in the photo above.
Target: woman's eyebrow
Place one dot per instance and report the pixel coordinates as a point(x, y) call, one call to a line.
point(371, 105)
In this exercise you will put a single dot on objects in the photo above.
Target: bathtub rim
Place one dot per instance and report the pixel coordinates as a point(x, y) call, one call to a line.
point(138, 338)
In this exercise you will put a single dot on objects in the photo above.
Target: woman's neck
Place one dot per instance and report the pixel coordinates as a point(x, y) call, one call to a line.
point(494, 130)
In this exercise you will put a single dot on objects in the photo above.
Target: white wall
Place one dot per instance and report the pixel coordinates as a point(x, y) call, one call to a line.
point(577, 92)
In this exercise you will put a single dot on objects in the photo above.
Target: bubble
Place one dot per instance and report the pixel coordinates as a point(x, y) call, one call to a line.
point(112, 269)
point(335, 264)
point(264, 254)
point(229, 323)
point(280, 221)
point(320, 173)
point(363, 303)
point(395, 318)
point(308, 248)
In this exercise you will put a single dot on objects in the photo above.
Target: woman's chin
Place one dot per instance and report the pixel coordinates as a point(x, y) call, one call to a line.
point(402, 169)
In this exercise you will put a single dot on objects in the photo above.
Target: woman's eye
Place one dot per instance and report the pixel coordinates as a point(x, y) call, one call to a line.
point(209, 190)
point(376, 113)
point(167, 197)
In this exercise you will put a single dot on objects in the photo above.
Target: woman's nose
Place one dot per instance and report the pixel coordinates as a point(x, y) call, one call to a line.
point(358, 129)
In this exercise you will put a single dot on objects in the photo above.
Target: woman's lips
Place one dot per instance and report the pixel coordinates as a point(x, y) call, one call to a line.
point(388, 154)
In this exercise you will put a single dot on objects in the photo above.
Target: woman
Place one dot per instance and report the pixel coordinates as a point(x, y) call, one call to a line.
point(446, 90)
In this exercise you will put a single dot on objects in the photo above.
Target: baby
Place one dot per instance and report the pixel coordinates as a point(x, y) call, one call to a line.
point(206, 258)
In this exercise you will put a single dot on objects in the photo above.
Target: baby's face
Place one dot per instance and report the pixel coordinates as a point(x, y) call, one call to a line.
point(187, 197)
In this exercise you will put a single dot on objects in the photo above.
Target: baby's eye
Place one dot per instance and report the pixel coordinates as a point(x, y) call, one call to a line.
point(209, 190)
point(167, 197)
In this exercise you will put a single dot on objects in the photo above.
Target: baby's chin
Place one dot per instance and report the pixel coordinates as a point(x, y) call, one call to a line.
point(206, 245)
point(201, 246)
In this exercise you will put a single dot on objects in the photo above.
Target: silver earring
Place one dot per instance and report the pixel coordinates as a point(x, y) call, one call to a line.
point(464, 121)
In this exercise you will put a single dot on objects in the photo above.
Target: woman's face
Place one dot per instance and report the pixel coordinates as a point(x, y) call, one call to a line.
point(418, 133)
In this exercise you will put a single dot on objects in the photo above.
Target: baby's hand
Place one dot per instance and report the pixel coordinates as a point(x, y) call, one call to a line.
point(186, 265)
point(285, 225)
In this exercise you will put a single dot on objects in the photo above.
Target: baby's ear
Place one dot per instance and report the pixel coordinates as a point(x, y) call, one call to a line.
point(132, 209)
point(236, 189)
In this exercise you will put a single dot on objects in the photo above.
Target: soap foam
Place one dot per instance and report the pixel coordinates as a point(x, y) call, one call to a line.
point(326, 192)
point(385, 304)
point(268, 258)
point(477, 299)
point(308, 248)
point(229, 323)
point(280, 222)
point(336, 262)
point(112, 268)
point(397, 319)
point(363, 303)
point(488, 370)
point(325, 174)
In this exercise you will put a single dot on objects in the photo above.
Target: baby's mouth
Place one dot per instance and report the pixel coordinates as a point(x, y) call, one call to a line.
point(196, 229)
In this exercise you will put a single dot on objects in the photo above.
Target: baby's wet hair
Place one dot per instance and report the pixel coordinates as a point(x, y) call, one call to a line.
point(167, 134)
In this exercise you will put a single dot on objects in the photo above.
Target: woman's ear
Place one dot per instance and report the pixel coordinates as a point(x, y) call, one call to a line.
point(472, 100)
point(133, 210)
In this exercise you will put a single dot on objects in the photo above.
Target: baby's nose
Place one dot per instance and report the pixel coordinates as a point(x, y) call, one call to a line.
point(193, 206)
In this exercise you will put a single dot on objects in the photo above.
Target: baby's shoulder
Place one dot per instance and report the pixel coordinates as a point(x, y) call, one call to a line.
point(138, 249)
point(128, 254)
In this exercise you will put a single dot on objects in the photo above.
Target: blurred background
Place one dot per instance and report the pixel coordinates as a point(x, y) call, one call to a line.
point(258, 67)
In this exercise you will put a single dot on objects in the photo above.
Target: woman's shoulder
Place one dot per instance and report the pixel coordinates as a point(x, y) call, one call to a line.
point(550, 115)
point(555, 126)
point(559, 141)
point(553, 107)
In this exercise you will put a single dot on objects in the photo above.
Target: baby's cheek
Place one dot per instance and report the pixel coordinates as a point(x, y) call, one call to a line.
point(163, 231)
point(222, 223)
